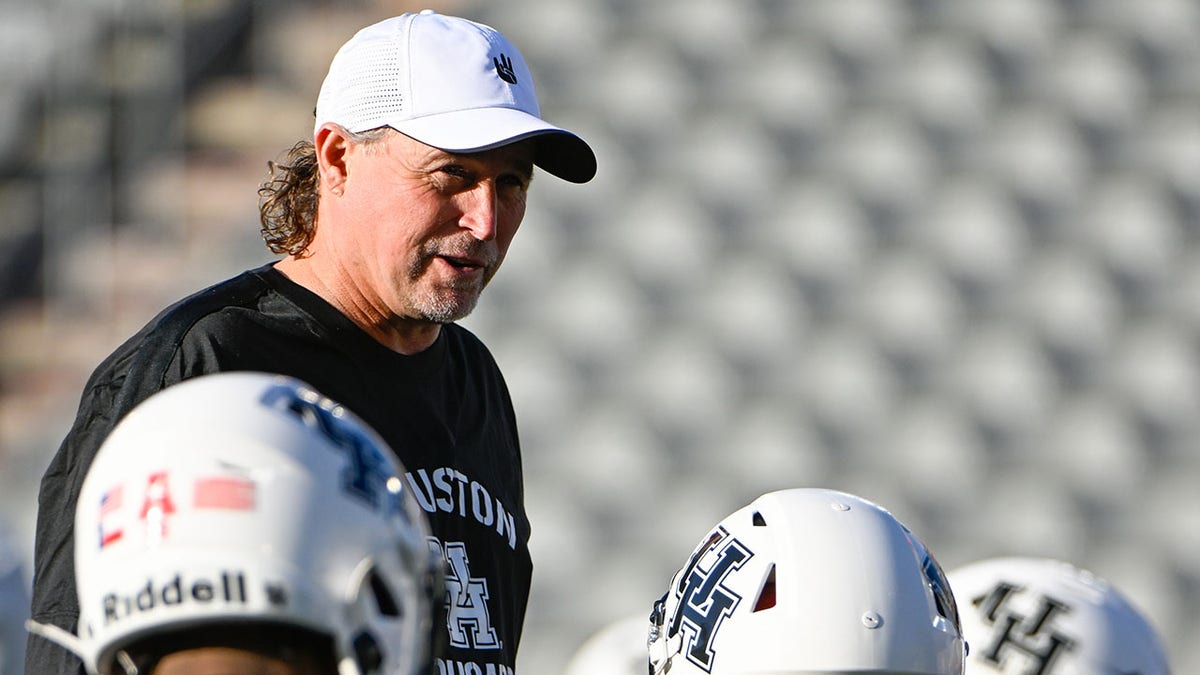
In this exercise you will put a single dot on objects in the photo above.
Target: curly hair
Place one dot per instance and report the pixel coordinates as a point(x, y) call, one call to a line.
point(287, 206)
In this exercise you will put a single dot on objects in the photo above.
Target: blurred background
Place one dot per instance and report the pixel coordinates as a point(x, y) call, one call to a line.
point(943, 254)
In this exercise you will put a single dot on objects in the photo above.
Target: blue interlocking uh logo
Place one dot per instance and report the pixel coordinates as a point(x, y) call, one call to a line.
point(367, 471)
point(705, 602)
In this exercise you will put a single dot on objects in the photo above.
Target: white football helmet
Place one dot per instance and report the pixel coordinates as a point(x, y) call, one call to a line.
point(246, 497)
point(808, 581)
point(1047, 617)
point(618, 648)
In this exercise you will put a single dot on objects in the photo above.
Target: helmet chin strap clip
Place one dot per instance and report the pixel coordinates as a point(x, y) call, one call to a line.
point(126, 663)
point(660, 642)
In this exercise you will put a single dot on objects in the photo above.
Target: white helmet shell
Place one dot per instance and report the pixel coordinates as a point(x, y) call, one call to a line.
point(250, 497)
point(808, 581)
point(618, 648)
point(1045, 616)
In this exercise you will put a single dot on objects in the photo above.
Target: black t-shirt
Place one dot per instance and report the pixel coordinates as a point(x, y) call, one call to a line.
point(446, 412)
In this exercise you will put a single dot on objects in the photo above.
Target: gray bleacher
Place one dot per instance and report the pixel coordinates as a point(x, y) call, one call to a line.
point(944, 254)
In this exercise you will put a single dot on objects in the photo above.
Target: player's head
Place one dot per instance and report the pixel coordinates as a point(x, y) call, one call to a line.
point(1038, 615)
point(245, 510)
point(618, 648)
point(808, 581)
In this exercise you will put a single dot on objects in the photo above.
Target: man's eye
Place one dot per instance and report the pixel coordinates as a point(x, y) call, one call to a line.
point(512, 180)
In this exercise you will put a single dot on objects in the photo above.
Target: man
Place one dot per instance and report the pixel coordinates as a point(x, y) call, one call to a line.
point(1039, 615)
point(393, 219)
point(808, 581)
point(243, 523)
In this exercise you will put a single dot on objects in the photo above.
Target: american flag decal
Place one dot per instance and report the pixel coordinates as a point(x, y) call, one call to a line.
point(224, 492)
point(110, 503)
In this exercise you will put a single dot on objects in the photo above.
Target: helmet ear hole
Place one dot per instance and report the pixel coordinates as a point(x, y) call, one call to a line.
point(367, 653)
point(943, 595)
point(766, 595)
point(758, 519)
point(385, 601)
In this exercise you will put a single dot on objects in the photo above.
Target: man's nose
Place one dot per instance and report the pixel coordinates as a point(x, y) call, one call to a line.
point(480, 205)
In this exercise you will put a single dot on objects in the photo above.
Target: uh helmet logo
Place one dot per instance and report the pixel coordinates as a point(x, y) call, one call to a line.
point(1033, 636)
point(704, 600)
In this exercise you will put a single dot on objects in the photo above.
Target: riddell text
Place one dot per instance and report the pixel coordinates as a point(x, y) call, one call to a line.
point(229, 587)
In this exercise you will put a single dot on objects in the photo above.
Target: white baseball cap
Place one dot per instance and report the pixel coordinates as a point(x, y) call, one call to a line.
point(449, 83)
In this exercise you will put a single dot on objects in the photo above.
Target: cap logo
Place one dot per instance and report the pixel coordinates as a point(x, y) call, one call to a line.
point(504, 69)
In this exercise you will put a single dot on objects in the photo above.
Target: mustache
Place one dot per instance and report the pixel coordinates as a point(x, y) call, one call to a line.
point(462, 247)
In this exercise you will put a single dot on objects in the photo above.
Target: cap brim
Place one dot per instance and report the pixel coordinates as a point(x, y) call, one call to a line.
point(557, 151)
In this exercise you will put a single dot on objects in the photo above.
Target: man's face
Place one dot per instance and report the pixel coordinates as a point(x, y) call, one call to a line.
point(418, 232)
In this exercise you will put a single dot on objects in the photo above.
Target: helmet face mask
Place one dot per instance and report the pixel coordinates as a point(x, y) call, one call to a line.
point(244, 498)
point(807, 581)
point(1048, 616)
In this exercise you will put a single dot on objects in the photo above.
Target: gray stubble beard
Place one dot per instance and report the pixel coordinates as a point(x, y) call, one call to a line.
point(437, 307)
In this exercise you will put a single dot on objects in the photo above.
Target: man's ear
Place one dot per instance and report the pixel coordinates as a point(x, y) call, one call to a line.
point(332, 143)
